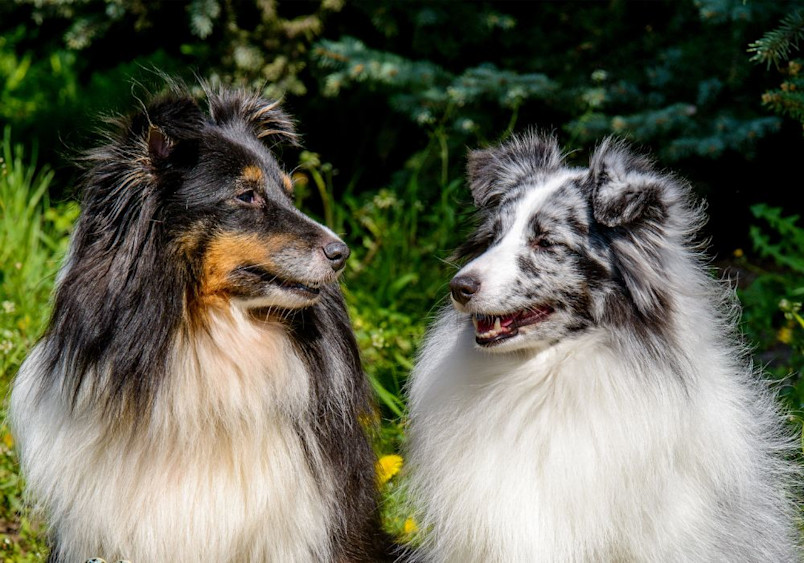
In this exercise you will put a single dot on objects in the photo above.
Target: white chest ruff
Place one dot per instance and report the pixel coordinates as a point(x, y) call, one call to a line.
point(573, 456)
point(220, 466)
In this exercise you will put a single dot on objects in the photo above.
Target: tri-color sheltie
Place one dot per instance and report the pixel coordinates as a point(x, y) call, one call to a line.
point(198, 394)
point(587, 398)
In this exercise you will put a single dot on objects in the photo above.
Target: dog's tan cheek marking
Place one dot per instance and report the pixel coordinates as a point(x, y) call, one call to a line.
point(227, 252)
point(224, 254)
point(252, 174)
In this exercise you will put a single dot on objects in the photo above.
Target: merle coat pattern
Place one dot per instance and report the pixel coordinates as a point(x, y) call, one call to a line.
point(586, 398)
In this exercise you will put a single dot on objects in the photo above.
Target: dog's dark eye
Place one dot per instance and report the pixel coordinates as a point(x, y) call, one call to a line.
point(247, 197)
point(541, 243)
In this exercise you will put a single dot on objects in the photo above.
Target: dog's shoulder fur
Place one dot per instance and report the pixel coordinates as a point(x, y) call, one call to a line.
point(622, 422)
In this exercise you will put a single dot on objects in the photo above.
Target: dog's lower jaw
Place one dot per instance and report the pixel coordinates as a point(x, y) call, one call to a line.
point(279, 305)
point(499, 339)
point(257, 288)
point(506, 328)
point(281, 300)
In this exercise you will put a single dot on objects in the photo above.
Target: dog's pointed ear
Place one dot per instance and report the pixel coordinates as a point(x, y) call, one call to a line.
point(481, 171)
point(265, 118)
point(625, 188)
point(491, 172)
point(166, 130)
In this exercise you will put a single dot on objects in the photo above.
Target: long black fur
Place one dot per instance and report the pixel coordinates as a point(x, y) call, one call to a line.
point(128, 287)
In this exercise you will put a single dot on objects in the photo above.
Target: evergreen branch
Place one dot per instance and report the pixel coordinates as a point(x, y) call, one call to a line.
point(786, 102)
point(775, 46)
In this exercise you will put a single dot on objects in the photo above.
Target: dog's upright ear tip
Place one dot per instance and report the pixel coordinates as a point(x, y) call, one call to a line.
point(624, 186)
point(481, 173)
point(477, 159)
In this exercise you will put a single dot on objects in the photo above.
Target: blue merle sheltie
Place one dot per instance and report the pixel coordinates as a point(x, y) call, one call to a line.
point(586, 398)
point(198, 394)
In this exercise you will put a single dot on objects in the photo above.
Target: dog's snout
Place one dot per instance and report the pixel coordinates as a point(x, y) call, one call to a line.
point(463, 288)
point(337, 253)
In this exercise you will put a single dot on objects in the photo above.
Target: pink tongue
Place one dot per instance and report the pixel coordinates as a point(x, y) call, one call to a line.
point(507, 321)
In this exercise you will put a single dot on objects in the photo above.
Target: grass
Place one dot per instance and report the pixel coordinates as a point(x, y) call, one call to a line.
point(33, 237)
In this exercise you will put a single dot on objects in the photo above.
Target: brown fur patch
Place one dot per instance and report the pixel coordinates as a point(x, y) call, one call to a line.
point(228, 252)
point(287, 182)
point(190, 240)
point(252, 173)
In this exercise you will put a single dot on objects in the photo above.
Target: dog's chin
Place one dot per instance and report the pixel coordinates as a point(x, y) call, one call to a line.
point(503, 332)
point(281, 301)
point(272, 292)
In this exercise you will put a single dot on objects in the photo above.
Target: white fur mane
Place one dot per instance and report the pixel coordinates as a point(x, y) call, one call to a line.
point(581, 453)
point(218, 465)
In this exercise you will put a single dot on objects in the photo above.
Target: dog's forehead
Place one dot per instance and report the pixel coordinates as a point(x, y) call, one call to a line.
point(554, 198)
point(245, 159)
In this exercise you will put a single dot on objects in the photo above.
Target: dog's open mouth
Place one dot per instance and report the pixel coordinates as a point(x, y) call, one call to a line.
point(492, 329)
point(305, 290)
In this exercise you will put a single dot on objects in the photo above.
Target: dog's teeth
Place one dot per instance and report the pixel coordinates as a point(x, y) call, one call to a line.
point(474, 321)
point(497, 326)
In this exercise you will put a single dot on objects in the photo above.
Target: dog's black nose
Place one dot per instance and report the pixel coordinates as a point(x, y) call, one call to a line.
point(337, 253)
point(463, 288)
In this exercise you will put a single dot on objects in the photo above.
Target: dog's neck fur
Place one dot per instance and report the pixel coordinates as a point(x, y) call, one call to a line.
point(224, 447)
point(584, 450)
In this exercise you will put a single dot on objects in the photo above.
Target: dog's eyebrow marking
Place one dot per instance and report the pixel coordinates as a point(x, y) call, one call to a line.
point(252, 173)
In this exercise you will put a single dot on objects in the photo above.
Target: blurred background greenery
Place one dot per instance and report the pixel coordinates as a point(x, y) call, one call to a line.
point(388, 96)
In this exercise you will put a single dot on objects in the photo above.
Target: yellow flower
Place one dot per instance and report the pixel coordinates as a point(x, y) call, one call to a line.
point(738, 252)
point(387, 467)
point(410, 526)
point(785, 335)
point(8, 440)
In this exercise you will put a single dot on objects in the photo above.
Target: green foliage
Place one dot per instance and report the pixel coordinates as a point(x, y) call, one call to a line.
point(788, 248)
point(427, 93)
point(773, 301)
point(391, 279)
point(33, 238)
point(772, 316)
point(237, 42)
point(684, 104)
point(789, 99)
point(270, 52)
point(725, 10)
point(30, 85)
point(775, 46)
